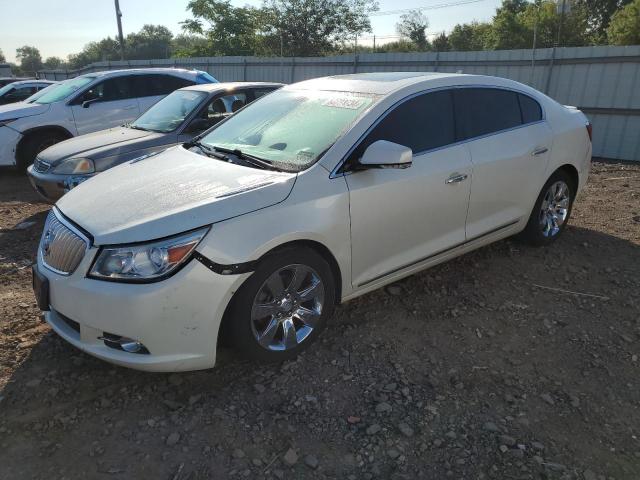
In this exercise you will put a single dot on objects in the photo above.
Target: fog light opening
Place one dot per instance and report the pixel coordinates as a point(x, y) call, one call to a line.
point(125, 344)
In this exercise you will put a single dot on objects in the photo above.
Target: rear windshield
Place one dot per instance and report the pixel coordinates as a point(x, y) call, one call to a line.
point(62, 90)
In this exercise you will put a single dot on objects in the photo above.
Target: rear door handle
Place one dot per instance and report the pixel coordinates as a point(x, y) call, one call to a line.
point(456, 178)
point(129, 107)
point(539, 151)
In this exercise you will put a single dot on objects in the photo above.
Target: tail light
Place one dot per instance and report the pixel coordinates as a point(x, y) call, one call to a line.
point(590, 131)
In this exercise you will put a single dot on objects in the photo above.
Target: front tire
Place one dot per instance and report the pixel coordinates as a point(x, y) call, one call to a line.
point(283, 307)
point(552, 210)
point(35, 144)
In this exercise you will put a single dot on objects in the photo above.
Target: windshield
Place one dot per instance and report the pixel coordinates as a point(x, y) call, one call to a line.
point(39, 93)
point(169, 113)
point(7, 88)
point(290, 128)
point(62, 90)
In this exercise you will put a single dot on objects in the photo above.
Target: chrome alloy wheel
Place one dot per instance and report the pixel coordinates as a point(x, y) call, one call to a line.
point(555, 208)
point(287, 307)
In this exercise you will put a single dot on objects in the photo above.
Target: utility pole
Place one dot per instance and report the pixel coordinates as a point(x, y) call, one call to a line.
point(120, 38)
point(374, 44)
point(562, 12)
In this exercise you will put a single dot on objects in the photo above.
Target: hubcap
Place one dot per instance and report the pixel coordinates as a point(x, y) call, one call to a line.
point(287, 307)
point(554, 208)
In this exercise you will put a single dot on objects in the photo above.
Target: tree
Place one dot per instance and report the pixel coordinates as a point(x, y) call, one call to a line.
point(413, 25)
point(30, 59)
point(624, 28)
point(401, 45)
point(186, 45)
point(106, 49)
point(599, 15)
point(507, 31)
point(441, 43)
point(543, 16)
point(470, 36)
point(2, 59)
point(229, 30)
point(152, 41)
point(53, 63)
point(313, 27)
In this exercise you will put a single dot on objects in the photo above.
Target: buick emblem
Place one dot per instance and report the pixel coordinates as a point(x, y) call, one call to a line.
point(47, 241)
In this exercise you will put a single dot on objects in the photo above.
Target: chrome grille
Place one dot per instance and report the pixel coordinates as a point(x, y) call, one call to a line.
point(61, 249)
point(41, 166)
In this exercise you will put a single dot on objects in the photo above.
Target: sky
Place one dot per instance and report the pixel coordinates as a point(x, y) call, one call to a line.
point(60, 27)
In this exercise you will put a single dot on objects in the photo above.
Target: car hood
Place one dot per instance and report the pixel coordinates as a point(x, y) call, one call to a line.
point(104, 143)
point(21, 110)
point(169, 193)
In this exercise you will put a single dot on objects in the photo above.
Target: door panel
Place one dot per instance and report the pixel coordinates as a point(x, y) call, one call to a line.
point(111, 102)
point(507, 176)
point(101, 115)
point(401, 216)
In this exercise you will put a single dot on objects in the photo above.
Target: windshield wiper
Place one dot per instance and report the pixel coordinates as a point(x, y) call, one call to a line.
point(135, 127)
point(208, 151)
point(252, 159)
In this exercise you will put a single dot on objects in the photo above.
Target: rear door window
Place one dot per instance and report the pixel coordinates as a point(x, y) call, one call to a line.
point(151, 85)
point(482, 111)
point(421, 123)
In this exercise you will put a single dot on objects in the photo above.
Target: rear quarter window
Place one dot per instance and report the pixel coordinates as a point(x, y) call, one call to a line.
point(531, 111)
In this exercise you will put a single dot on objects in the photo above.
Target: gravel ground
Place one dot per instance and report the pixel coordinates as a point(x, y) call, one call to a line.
point(470, 370)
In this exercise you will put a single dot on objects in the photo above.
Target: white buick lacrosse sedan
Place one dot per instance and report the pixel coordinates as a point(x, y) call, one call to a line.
point(310, 196)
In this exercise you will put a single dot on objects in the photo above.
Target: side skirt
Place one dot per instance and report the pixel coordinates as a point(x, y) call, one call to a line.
point(491, 236)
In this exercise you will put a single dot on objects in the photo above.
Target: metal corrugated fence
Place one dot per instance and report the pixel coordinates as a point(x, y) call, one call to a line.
point(604, 81)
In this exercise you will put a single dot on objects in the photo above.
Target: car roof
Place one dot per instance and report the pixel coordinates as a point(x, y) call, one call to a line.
point(380, 83)
point(17, 79)
point(125, 71)
point(214, 87)
point(29, 82)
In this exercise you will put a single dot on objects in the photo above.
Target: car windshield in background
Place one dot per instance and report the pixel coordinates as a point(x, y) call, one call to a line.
point(41, 92)
point(7, 88)
point(62, 90)
point(288, 128)
point(169, 113)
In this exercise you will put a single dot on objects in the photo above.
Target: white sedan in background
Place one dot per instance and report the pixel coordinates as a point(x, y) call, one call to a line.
point(310, 196)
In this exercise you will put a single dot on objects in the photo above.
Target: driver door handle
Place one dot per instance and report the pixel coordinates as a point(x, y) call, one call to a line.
point(456, 178)
point(129, 107)
point(539, 151)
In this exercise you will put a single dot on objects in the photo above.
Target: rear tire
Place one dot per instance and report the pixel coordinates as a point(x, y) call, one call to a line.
point(35, 144)
point(551, 211)
point(283, 307)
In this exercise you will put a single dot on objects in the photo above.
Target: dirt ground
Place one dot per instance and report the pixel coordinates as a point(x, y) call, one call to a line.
point(470, 370)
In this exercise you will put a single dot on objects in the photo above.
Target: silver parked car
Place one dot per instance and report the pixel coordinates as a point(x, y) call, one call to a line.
point(21, 90)
point(175, 119)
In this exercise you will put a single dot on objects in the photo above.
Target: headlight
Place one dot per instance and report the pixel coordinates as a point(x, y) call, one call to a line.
point(145, 262)
point(75, 166)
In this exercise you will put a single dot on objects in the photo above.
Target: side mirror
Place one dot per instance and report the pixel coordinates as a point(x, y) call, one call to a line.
point(87, 103)
point(384, 154)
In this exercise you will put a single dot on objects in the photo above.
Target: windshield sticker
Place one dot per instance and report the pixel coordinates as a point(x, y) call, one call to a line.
point(344, 102)
point(304, 156)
